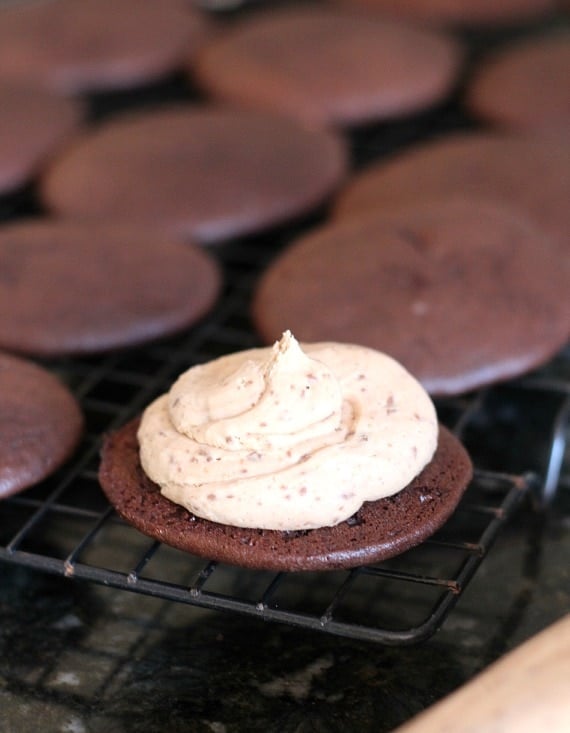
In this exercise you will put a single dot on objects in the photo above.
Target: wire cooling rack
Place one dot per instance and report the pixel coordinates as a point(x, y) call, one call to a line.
point(516, 433)
point(66, 527)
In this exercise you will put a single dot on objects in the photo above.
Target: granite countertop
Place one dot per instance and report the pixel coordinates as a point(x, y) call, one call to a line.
point(78, 657)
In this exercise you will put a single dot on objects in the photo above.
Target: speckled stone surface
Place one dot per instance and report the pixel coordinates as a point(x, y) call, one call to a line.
point(86, 659)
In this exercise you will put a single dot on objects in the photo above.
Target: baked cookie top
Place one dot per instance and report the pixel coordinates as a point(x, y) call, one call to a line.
point(95, 45)
point(34, 124)
point(326, 66)
point(462, 292)
point(70, 288)
point(40, 424)
point(525, 86)
point(195, 171)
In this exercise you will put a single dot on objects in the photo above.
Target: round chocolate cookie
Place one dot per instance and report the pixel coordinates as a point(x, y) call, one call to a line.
point(379, 530)
point(33, 124)
point(326, 66)
point(198, 172)
point(530, 175)
point(95, 45)
point(69, 288)
point(462, 293)
point(525, 86)
point(461, 12)
point(40, 424)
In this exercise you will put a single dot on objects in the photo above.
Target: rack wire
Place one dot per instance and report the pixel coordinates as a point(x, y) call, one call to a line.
point(516, 433)
point(65, 526)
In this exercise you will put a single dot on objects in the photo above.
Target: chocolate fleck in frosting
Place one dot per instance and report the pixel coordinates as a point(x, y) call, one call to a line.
point(40, 424)
point(379, 530)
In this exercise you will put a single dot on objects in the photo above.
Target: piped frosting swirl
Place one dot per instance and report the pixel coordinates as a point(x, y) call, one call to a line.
point(286, 437)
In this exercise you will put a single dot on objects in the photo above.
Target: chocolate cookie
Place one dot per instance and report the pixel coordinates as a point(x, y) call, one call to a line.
point(525, 86)
point(33, 124)
point(379, 530)
point(326, 66)
point(528, 174)
point(40, 424)
point(462, 293)
point(95, 45)
point(461, 12)
point(70, 288)
point(198, 172)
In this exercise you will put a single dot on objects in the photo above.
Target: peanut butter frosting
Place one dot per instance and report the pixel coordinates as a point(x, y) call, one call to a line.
point(288, 437)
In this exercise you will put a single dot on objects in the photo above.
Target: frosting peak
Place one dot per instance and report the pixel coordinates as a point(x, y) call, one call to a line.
point(257, 405)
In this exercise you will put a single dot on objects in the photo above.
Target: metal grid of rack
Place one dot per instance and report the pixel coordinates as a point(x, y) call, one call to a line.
point(64, 526)
point(517, 434)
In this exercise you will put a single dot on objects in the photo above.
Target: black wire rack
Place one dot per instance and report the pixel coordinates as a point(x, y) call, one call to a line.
point(517, 434)
point(65, 526)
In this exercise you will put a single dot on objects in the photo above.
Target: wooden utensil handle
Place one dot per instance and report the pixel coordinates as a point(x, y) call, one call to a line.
point(526, 691)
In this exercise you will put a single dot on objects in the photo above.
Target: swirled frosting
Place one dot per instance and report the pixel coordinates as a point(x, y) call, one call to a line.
point(288, 438)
